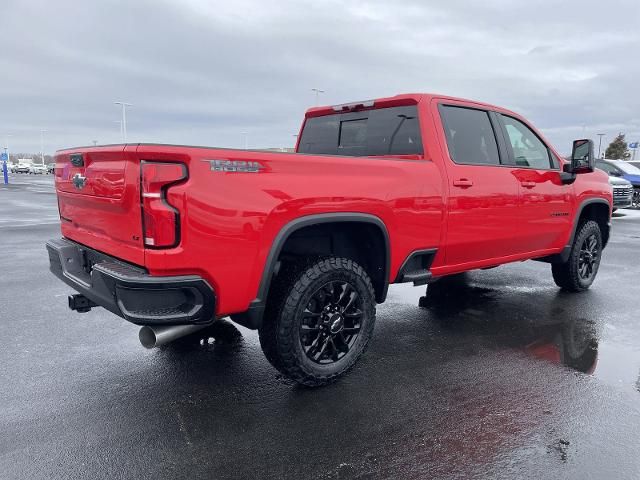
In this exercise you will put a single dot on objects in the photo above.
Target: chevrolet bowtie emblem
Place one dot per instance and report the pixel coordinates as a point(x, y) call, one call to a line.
point(79, 181)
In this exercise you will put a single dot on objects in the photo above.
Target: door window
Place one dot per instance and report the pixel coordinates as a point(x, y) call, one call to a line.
point(470, 136)
point(528, 150)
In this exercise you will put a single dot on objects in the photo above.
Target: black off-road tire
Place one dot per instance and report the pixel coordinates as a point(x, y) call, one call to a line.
point(280, 336)
point(566, 275)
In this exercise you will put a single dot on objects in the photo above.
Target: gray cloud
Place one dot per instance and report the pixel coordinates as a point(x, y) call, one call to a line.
point(202, 72)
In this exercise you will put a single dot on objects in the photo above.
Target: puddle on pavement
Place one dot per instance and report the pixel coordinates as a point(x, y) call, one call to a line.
point(571, 330)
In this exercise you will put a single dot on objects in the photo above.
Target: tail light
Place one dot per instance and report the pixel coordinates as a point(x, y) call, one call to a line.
point(160, 220)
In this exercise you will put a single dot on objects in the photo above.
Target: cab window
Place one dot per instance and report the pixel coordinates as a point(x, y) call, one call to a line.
point(528, 150)
point(470, 136)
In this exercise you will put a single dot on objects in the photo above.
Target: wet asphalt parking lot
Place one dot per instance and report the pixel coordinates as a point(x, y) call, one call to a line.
point(500, 375)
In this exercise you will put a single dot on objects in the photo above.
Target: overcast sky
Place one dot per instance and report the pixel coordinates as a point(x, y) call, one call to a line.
point(202, 72)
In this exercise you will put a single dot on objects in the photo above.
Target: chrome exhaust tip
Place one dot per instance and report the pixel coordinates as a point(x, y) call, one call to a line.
point(152, 337)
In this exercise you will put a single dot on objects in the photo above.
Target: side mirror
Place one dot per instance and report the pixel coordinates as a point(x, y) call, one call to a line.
point(582, 160)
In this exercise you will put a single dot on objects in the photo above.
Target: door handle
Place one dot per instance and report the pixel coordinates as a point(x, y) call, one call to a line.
point(463, 182)
point(526, 184)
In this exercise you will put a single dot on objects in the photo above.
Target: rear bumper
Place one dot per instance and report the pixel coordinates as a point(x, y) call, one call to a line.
point(129, 291)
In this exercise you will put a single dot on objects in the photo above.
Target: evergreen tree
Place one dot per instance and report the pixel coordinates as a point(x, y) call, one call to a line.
point(617, 150)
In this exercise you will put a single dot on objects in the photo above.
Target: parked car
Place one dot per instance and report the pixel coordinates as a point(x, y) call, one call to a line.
point(37, 168)
point(51, 167)
point(623, 169)
point(622, 193)
point(403, 189)
point(22, 167)
point(635, 163)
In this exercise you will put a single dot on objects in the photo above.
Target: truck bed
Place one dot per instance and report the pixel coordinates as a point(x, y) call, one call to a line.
point(234, 203)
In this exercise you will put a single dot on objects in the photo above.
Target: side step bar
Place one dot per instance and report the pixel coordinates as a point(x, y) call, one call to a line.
point(419, 277)
point(416, 267)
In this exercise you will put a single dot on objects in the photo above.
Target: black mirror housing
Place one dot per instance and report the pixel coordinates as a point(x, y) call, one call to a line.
point(582, 158)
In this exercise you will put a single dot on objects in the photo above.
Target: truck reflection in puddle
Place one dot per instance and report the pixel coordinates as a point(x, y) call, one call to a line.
point(555, 327)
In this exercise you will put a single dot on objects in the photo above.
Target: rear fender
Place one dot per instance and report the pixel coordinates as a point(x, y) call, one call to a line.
point(252, 318)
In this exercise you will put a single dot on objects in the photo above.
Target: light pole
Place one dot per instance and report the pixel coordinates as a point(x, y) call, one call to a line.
point(600, 143)
point(246, 140)
point(124, 106)
point(42, 130)
point(119, 122)
point(318, 92)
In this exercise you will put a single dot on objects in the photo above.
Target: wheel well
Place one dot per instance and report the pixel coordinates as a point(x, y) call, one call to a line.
point(599, 213)
point(363, 242)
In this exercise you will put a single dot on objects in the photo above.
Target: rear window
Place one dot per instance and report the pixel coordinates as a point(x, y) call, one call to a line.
point(385, 131)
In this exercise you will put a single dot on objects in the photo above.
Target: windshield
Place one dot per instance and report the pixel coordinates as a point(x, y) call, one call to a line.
point(626, 167)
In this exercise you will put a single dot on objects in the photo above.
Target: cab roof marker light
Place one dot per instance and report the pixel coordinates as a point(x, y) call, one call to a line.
point(354, 105)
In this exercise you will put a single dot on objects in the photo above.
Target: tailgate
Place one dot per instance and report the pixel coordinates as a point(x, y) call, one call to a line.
point(99, 199)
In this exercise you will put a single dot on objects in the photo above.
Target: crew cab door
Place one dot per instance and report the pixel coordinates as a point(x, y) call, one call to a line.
point(483, 205)
point(545, 200)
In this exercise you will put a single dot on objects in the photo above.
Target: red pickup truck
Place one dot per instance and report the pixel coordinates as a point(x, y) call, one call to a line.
point(302, 246)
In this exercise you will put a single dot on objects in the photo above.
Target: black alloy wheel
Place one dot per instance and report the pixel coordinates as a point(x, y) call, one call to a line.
point(589, 256)
point(331, 322)
point(319, 319)
point(580, 270)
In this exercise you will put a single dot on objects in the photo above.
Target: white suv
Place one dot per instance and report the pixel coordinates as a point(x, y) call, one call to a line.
point(36, 168)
